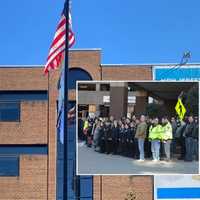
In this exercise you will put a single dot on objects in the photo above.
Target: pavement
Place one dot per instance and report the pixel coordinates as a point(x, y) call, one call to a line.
point(91, 162)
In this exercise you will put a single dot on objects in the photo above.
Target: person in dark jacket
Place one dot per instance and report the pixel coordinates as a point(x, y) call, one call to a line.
point(89, 132)
point(147, 143)
point(115, 136)
point(108, 137)
point(133, 143)
point(101, 141)
point(121, 139)
point(179, 139)
point(81, 135)
point(131, 135)
point(96, 135)
point(188, 134)
point(173, 144)
point(196, 139)
point(126, 140)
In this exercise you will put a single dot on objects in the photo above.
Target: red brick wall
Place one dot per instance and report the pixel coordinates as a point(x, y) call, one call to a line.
point(126, 72)
point(118, 187)
point(23, 79)
point(53, 93)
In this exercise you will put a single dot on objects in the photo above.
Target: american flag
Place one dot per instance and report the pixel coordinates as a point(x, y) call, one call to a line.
point(57, 48)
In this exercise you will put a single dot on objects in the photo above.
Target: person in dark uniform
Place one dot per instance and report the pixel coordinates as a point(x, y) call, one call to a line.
point(196, 139)
point(115, 136)
point(108, 137)
point(179, 139)
point(102, 138)
point(126, 140)
point(80, 129)
point(136, 149)
point(120, 139)
point(189, 141)
point(147, 144)
point(89, 132)
point(131, 148)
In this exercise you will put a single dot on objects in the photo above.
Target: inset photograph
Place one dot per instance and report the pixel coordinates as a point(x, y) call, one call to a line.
point(137, 127)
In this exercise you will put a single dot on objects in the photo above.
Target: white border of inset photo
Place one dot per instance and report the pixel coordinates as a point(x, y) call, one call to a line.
point(121, 174)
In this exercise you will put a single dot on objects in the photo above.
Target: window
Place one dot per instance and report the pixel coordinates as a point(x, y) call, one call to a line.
point(76, 74)
point(104, 111)
point(23, 95)
point(9, 166)
point(86, 187)
point(23, 149)
point(87, 87)
point(9, 111)
point(105, 87)
point(131, 87)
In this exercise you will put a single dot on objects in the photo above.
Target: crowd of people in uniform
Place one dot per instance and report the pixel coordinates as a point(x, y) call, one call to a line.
point(142, 138)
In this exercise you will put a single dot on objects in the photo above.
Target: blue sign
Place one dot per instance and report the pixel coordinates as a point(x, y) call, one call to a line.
point(176, 187)
point(172, 73)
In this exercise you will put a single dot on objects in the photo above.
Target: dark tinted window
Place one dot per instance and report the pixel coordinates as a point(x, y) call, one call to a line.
point(23, 149)
point(105, 87)
point(23, 95)
point(9, 111)
point(87, 87)
point(9, 166)
point(86, 185)
point(77, 74)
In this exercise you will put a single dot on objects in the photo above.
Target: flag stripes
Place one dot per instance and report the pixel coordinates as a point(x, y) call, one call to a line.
point(57, 48)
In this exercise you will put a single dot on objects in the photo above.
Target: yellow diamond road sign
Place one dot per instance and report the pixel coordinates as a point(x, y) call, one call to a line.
point(180, 109)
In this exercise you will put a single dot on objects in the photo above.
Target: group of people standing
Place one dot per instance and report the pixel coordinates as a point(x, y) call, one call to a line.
point(143, 137)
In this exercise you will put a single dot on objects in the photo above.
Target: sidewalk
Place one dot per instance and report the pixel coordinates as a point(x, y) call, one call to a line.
point(91, 162)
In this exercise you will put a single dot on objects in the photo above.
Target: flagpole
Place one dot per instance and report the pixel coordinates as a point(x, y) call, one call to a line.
point(65, 188)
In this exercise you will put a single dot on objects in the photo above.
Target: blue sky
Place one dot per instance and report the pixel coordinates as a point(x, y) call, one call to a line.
point(128, 31)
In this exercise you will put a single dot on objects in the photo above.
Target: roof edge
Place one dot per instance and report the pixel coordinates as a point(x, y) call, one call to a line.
point(21, 66)
point(86, 49)
point(147, 64)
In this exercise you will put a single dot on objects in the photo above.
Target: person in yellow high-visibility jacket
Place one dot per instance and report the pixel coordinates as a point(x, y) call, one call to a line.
point(85, 127)
point(155, 136)
point(167, 137)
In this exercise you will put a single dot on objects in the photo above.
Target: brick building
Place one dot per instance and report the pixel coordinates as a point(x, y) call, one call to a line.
point(28, 135)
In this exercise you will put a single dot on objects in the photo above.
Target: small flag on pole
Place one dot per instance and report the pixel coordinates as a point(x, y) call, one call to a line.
point(57, 48)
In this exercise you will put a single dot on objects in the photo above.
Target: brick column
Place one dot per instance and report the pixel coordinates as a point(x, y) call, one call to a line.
point(141, 103)
point(118, 99)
